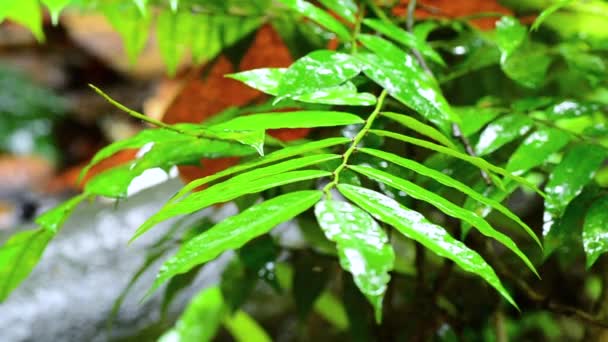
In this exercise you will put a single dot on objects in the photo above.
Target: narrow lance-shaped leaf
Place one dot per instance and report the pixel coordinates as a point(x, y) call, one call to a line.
point(362, 245)
point(547, 12)
point(300, 119)
point(405, 80)
point(347, 9)
point(284, 153)
point(225, 192)
point(19, 256)
point(453, 183)
point(320, 16)
point(479, 162)
point(55, 7)
point(132, 26)
point(595, 230)
point(318, 69)
point(201, 319)
point(54, 218)
point(502, 131)
point(407, 39)
point(446, 207)
point(26, 13)
point(536, 148)
point(244, 328)
point(568, 180)
point(510, 34)
point(415, 226)
point(235, 231)
point(420, 128)
point(475, 118)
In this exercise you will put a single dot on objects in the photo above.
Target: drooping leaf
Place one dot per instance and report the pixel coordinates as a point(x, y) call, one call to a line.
point(414, 226)
point(363, 247)
point(18, 257)
point(346, 9)
point(595, 230)
point(547, 12)
point(420, 128)
point(53, 219)
point(173, 35)
point(479, 162)
point(244, 328)
point(529, 65)
point(318, 15)
point(272, 157)
point(132, 26)
point(224, 192)
point(453, 183)
point(405, 80)
point(301, 119)
point(55, 7)
point(536, 148)
point(568, 179)
point(141, 5)
point(405, 38)
point(319, 69)
point(501, 132)
point(264, 79)
point(201, 319)
point(446, 207)
point(26, 13)
point(235, 231)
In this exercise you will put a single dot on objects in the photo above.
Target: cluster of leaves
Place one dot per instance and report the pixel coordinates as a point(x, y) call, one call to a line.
point(373, 176)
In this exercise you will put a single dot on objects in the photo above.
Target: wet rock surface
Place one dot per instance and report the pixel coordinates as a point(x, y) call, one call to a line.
point(69, 295)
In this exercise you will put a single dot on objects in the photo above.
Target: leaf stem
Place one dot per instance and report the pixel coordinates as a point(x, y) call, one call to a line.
point(356, 140)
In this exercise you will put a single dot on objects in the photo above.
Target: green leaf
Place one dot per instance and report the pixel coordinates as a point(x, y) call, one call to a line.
point(595, 228)
point(18, 257)
point(568, 109)
point(568, 180)
point(55, 7)
point(115, 182)
point(473, 118)
point(224, 192)
point(362, 245)
point(318, 69)
point(318, 15)
point(300, 119)
point(446, 207)
point(267, 80)
point(529, 65)
point(235, 231)
point(141, 5)
point(479, 162)
point(132, 26)
point(547, 12)
point(272, 157)
point(408, 40)
point(536, 148)
point(26, 13)
point(346, 9)
point(201, 319)
point(404, 79)
point(414, 226)
point(244, 328)
point(451, 182)
point(420, 128)
point(501, 132)
point(53, 219)
point(510, 35)
point(173, 36)
point(264, 79)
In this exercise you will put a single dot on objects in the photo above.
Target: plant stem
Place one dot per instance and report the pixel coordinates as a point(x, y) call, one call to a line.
point(377, 11)
point(133, 113)
point(356, 140)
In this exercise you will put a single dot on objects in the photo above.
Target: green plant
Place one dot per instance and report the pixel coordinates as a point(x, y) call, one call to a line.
point(391, 165)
